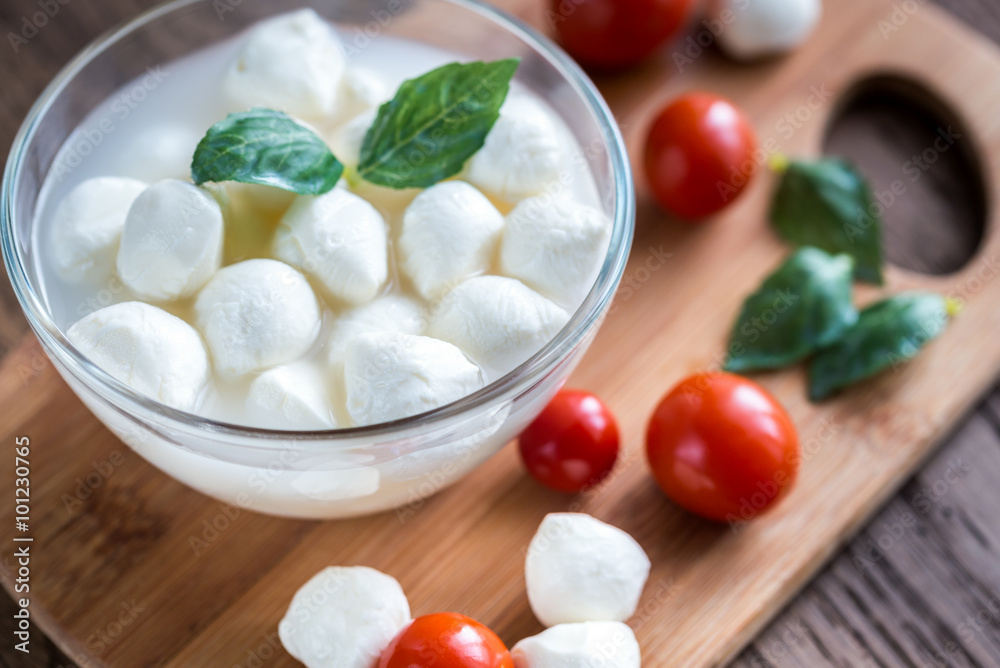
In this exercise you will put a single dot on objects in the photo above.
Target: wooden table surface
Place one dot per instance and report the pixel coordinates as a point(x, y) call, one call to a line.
point(920, 586)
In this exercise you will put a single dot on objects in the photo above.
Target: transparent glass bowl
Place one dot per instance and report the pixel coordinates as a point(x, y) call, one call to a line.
point(323, 474)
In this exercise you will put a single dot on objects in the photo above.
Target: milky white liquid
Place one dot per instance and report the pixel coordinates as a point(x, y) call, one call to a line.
point(154, 126)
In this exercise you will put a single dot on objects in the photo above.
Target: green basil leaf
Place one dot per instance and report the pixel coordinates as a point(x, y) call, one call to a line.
point(268, 148)
point(886, 335)
point(434, 124)
point(828, 204)
point(803, 306)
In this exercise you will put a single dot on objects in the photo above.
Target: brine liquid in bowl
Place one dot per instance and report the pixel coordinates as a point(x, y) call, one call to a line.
point(426, 296)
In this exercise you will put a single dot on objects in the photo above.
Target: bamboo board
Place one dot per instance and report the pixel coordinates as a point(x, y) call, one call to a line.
point(130, 568)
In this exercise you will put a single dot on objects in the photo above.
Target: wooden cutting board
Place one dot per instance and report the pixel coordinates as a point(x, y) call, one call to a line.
point(130, 568)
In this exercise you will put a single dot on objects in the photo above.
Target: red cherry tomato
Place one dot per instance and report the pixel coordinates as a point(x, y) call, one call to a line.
point(572, 444)
point(701, 153)
point(722, 447)
point(446, 640)
point(616, 33)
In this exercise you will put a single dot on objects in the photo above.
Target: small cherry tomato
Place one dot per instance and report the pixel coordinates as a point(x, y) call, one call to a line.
point(612, 34)
point(722, 447)
point(572, 444)
point(446, 640)
point(700, 155)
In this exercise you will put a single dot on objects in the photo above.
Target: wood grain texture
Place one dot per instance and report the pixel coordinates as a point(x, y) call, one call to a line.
point(138, 513)
point(869, 609)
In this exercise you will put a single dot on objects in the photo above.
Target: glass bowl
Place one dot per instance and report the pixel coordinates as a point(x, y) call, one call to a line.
point(321, 474)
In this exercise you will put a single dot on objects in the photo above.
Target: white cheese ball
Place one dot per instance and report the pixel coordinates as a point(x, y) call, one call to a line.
point(389, 376)
point(291, 63)
point(355, 482)
point(579, 569)
point(87, 225)
point(581, 645)
point(172, 241)
point(361, 89)
point(498, 322)
point(257, 314)
point(391, 313)
point(292, 397)
point(343, 618)
point(754, 28)
point(153, 352)
point(162, 152)
point(556, 246)
point(339, 239)
point(346, 141)
point(265, 199)
point(522, 153)
point(449, 233)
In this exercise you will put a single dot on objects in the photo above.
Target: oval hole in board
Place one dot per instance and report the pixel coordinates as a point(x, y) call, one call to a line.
point(924, 171)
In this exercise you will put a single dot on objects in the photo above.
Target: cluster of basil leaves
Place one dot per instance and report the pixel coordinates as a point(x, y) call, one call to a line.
point(425, 134)
point(805, 308)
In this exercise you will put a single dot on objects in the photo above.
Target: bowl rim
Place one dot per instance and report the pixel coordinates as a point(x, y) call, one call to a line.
point(529, 373)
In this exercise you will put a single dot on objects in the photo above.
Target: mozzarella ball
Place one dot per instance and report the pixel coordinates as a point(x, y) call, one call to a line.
point(257, 314)
point(449, 233)
point(291, 397)
point(522, 153)
point(360, 90)
point(292, 63)
point(556, 246)
point(87, 226)
point(266, 199)
point(340, 240)
point(153, 352)
point(391, 313)
point(389, 376)
point(579, 569)
point(498, 322)
point(343, 618)
point(581, 645)
point(345, 142)
point(172, 241)
point(755, 28)
point(162, 152)
point(355, 482)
